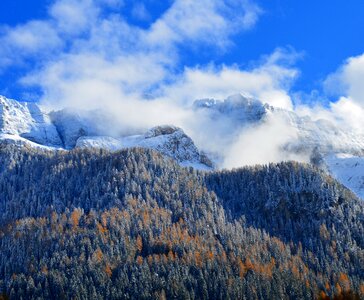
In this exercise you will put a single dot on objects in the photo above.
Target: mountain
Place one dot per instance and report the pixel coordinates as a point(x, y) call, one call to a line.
point(338, 151)
point(242, 109)
point(25, 122)
point(131, 224)
point(71, 126)
point(312, 135)
point(168, 140)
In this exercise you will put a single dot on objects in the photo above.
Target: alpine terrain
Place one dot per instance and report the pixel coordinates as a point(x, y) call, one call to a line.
point(87, 215)
point(181, 149)
point(337, 151)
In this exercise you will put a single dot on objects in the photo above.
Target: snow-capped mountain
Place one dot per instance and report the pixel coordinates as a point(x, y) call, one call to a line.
point(26, 120)
point(244, 110)
point(320, 134)
point(336, 150)
point(70, 127)
point(168, 140)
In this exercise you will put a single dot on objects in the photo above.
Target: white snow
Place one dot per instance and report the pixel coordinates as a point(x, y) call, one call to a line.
point(168, 140)
point(18, 140)
point(243, 111)
point(347, 169)
point(104, 142)
point(27, 120)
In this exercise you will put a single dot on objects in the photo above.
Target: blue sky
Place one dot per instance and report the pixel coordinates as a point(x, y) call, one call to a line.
point(315, 39)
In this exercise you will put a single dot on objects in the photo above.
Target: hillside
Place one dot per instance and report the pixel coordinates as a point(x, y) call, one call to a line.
point(133, 224)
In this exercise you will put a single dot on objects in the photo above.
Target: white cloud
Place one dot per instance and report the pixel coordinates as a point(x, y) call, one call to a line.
point(347, 110)
point(348, 80)
point(269, 82)
point(350, 113)
point(90, 58)
point(89, 23)
point(262, 144)
point(24, 40)
point(140, 12)
point(133, 60)
point(73, 16)
point(115, 65)
point(205, 21)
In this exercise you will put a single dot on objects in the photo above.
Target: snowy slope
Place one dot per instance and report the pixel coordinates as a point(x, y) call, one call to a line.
point(168, 140)
point(103, 142)
point(28, 121)
point(347, 169)
point(321, 134)
point(20, 141)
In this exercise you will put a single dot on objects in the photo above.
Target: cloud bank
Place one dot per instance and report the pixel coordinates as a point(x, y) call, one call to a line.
point(345, 87)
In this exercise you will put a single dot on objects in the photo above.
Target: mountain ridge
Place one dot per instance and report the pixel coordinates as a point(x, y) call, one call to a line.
point(321, 142)
point(24, 122)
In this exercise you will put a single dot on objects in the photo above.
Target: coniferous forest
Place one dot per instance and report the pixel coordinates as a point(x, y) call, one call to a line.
point(93, 224)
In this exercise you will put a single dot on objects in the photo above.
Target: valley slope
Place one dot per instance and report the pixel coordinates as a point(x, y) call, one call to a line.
point(90, 223)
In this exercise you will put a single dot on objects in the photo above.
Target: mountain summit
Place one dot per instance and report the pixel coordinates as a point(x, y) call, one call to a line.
point(337, 151)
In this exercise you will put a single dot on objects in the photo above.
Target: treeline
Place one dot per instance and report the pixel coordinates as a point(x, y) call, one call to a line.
point(92, 224)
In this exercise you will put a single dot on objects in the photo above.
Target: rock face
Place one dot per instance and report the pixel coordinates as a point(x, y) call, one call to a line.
point(28, 121)
point(161, 130)
point(172, 141)
point(70, 127)
point(243, 110)
point(168, 140)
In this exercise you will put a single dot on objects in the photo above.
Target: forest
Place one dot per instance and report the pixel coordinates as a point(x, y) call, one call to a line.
point(133, 224)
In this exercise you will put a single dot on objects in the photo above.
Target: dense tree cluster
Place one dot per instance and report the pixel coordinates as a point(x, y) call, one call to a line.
point(135, 225)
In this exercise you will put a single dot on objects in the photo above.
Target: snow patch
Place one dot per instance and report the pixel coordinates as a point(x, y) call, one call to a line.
point(27, 120)
point(347, 169)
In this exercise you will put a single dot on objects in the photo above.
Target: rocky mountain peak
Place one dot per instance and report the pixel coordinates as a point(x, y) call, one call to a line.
point(27, 120)
point(239, 107)
point(161, 130)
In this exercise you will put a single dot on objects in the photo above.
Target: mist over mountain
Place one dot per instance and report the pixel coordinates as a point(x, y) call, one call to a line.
point(235, 132)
